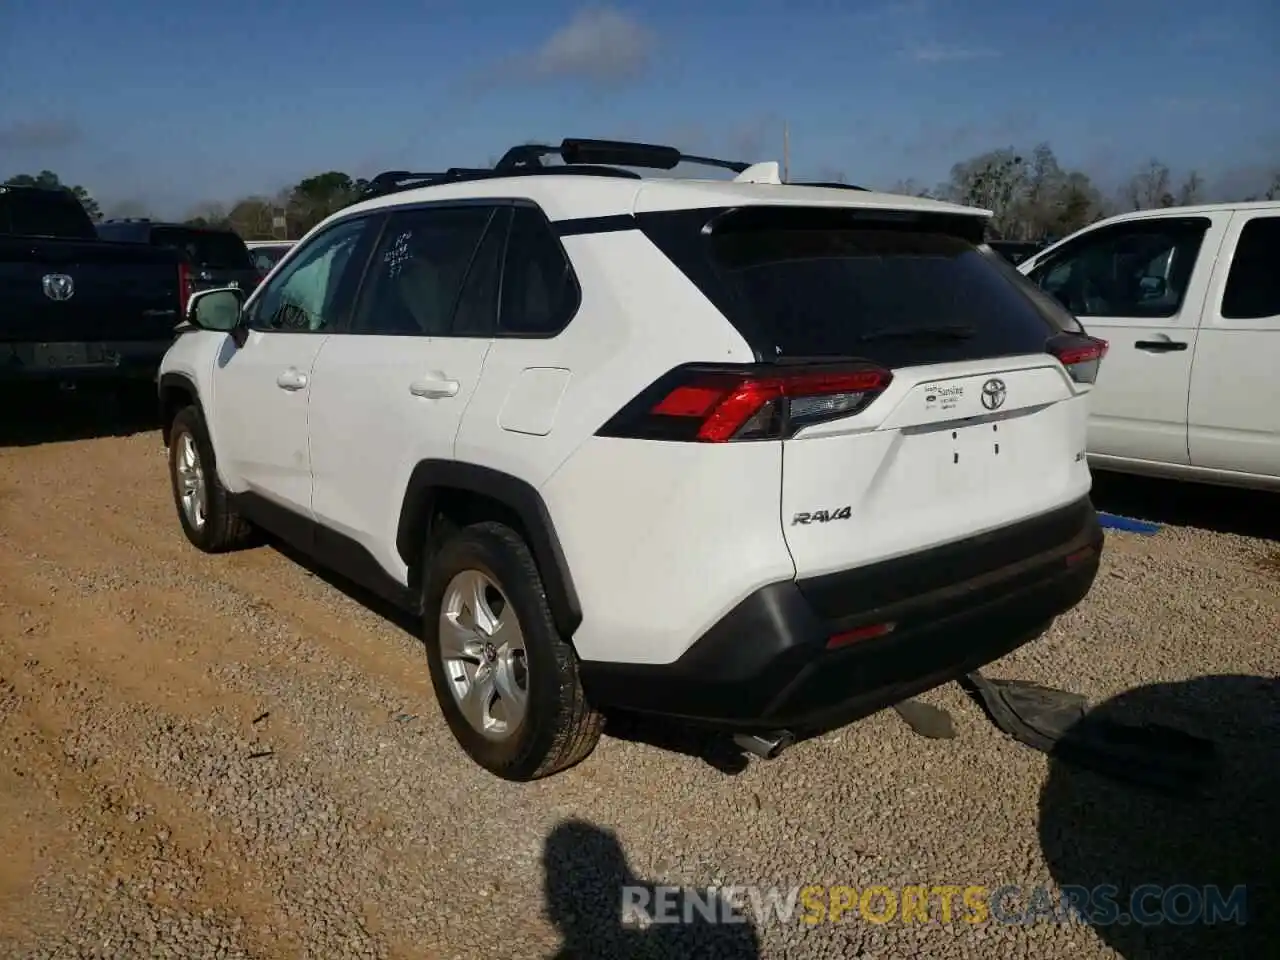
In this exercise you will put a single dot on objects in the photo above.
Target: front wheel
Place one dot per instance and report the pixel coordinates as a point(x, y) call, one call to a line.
point(204, 509)
point(506, 681)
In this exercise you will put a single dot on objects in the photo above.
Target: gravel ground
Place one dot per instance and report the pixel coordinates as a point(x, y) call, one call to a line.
point(231, 757)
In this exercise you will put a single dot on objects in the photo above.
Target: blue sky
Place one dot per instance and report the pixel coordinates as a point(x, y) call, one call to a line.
point(173, 103)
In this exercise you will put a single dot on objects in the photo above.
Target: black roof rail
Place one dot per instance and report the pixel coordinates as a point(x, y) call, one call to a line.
point(833, 184)
point(394, 181)
point(593, 158)
point(577, 151)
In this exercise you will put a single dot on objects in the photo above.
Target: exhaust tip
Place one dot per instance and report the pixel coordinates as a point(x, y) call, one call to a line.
point(766, 746)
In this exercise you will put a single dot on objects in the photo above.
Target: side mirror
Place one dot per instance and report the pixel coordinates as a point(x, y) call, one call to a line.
point(1153, 288)
point(217, 309)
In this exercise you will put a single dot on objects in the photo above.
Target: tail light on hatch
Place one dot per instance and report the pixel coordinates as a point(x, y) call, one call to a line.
point(719, 404)
point(1080, 354)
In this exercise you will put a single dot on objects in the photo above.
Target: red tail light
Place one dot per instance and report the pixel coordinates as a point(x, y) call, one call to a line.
point(1081, 355)
point(714, 404)
point(184, 289)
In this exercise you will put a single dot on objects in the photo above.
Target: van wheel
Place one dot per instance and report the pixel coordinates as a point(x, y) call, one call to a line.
point(506, 681)
point(204, 510)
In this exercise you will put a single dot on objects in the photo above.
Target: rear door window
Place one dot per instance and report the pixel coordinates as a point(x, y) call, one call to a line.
point(205, 248)
point(898, 293)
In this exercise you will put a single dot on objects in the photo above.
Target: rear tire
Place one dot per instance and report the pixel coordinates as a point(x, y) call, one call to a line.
point(204, 508)
point(529, 717)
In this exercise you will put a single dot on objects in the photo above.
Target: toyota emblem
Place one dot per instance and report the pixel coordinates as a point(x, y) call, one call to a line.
point(993, 394)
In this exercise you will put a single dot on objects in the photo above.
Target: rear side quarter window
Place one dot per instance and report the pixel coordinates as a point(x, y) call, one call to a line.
point(540, 292)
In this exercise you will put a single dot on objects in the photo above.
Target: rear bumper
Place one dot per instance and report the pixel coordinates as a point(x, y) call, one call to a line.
point(766, 665)
point(102, 360)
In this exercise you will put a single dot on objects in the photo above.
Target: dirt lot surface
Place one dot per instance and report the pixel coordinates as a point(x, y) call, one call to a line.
point(231, 757)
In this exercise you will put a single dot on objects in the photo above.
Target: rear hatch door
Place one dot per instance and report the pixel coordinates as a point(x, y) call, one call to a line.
point(979, 426)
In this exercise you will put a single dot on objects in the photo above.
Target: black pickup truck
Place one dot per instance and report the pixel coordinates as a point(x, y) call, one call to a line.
point(73, 307)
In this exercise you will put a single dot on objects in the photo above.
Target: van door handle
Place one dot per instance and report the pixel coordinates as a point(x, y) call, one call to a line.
point(434, 388)
point(291, 379)
point(1162, 344)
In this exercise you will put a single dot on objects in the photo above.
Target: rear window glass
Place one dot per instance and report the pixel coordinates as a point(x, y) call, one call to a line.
point(896, 295)
point(28, 212)
point(205, 248)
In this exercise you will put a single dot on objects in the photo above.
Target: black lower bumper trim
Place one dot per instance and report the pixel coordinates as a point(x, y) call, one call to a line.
point(766, 664)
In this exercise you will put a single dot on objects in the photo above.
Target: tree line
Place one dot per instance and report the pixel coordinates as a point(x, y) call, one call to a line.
point(1031, 196)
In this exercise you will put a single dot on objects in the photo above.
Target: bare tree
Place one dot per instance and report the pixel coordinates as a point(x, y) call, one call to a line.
point(995, 181)
point(207, 214)
point(1150, 187)
point(910, 188)
point(253, 218)
point(1192, 190)
point(127, 210)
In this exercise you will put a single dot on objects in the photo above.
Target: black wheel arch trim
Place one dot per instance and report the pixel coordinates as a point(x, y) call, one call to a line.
point(517, 495)
point(173, 379)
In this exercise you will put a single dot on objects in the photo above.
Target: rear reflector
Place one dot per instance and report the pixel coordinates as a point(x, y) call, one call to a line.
point(1079, 556)
point(1081, 355)
point(717, 404)
point(870, 632)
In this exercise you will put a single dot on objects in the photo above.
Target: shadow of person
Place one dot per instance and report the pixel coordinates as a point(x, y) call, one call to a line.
point(1160, 865)
point(587, 882)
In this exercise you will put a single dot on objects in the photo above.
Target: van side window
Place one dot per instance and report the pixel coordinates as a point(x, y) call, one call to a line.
point(1138, 269)
point(1253, 285)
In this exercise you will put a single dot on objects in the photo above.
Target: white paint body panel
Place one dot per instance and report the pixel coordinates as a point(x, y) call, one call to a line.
point(263, 431)
point(928, 464)
point(369, 429)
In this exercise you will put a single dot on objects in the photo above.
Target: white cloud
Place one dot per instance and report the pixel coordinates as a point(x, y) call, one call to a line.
point(602, 45)
point(598, 43)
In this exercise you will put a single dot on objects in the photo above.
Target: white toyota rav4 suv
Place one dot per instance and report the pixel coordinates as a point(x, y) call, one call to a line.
point(767, 457)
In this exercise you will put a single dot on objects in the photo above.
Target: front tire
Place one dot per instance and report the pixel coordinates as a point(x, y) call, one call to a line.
point(204, 509)
point(506, 681)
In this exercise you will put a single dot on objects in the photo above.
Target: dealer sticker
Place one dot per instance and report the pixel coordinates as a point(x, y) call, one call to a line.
point(943, 398)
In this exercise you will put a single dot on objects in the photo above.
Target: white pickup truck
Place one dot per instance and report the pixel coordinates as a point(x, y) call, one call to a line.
point(1189, 299)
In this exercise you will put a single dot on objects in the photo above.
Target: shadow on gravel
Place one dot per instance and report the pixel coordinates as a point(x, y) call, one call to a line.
point(715, 749)
point(1250, 513)
point(587, 882)
point(1167, 862)
point(366, 598)
point(36, 414)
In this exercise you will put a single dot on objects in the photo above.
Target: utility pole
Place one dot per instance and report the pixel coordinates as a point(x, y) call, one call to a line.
point(786, 152)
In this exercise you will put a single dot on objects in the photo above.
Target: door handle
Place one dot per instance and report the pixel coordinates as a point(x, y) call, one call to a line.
point(1162, 345)
point(291, 379)
point(434, 388)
